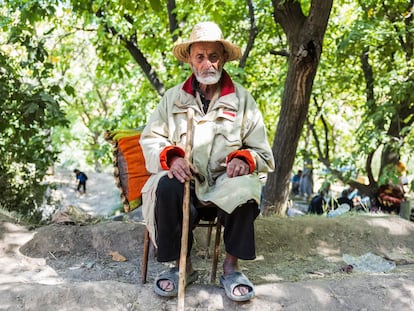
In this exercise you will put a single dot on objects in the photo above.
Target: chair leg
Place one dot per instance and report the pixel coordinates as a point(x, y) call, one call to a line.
point(209, 230)
point(145, 255)
point(144, 264)
point(216, 252)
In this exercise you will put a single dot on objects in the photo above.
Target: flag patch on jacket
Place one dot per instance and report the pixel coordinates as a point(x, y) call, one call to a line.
point(227, 114)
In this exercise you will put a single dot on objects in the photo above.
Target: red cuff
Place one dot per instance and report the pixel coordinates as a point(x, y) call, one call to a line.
point(244, 155)
point(168, 153)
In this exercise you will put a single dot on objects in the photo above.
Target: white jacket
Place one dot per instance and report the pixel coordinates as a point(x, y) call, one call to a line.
point(232, 123)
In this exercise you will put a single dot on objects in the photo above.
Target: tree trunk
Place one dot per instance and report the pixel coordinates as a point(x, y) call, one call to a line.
point(305, 36)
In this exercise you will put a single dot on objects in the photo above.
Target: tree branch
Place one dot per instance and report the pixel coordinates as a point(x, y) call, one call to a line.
point(323, 156)
point(280, 53)
point(326, 132)
point(288, 13)
point(407, 45)
point(252, 34)
point(102, 101)
point(131, 45)
point(369, 77)
point(304, 33)
point(139, 57)
point(172, 19)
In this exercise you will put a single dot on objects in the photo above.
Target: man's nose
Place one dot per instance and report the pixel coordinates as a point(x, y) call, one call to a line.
point(207, 63)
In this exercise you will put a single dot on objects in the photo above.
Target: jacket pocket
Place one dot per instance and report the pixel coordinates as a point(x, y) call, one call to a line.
point(228, 131)
point(179, 129)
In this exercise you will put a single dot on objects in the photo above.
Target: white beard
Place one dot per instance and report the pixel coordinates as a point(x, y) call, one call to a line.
point(208, 77)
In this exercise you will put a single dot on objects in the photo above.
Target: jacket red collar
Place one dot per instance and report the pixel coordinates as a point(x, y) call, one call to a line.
point(227, 85)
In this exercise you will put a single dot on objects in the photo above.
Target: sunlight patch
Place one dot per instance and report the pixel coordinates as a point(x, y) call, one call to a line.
point(259, 258)
point(326, 250)
point(272, 278)
point(394, 228)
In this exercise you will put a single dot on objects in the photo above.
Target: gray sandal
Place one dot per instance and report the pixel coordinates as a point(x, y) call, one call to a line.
point(234, 279)
point(173, 276)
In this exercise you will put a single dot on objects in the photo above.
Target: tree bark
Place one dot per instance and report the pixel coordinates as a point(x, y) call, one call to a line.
point(172, 19)
point(305, 37)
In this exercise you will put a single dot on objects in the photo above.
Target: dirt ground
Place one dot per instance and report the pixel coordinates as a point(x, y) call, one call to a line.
point(298, 265)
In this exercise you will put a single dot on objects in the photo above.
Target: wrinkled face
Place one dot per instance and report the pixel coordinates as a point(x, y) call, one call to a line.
point(206, 60)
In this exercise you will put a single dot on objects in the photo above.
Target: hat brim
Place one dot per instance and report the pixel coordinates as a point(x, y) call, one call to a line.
point(180, 50)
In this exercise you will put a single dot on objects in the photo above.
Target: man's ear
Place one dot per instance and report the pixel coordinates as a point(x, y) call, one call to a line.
point(188, 54)
point(226, 56)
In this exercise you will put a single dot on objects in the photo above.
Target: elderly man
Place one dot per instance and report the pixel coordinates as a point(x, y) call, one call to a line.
point(229, 149)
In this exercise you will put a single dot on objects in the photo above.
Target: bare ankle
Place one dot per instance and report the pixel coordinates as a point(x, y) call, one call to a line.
point(230, 264)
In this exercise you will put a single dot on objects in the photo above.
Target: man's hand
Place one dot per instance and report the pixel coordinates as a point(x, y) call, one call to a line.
point(180, 169)
point(237, 167)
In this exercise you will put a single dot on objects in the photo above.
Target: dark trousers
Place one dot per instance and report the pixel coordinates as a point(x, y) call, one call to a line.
point(81, 185)
point(238, 226)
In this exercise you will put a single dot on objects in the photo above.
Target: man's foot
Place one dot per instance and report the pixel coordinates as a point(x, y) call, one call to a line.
point(242, 288)
point(235, 284)
point(166, 284)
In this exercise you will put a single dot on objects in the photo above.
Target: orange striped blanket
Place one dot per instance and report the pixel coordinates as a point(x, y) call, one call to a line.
point(129, 166)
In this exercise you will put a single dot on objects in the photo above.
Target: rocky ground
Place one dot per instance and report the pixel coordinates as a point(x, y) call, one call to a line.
point(95, 265)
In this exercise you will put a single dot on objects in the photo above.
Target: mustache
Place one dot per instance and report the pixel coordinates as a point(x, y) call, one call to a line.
point(208, 71)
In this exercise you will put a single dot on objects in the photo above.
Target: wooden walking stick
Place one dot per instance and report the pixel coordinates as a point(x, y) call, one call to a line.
point(186, 216)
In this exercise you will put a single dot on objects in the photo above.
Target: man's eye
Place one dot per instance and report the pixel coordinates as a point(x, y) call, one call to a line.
point(213, 58)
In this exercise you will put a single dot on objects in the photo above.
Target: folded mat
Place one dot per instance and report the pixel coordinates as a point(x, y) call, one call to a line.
point(129, 165)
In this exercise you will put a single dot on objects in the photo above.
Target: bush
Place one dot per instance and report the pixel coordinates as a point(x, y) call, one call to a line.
point(29, 111)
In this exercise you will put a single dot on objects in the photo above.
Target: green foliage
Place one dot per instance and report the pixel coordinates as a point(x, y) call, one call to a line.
point(148, 23)
point(75, 56)
point(357, 125)
point(389, 175)
point(30, 108)
point(28, 113)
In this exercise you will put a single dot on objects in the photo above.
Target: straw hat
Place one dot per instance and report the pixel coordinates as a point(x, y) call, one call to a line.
point(206, 32)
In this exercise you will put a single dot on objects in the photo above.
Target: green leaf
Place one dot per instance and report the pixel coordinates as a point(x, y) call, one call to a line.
point(69, 90)
point(156, 5)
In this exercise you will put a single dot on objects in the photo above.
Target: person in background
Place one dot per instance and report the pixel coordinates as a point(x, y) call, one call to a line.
point(229, 150)
point(306, 180)
point(319, 201)
point(390, 197)
point(343, 199)
point(82, 178)
point(402, 173)
point(359, 201)
point(295, 182)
